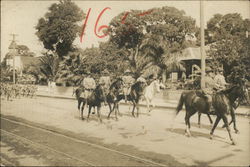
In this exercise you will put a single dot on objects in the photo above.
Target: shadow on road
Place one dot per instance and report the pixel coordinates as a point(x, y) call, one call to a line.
point(205, 164)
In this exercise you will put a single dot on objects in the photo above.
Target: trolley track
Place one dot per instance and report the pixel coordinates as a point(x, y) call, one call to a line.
point(88, 153)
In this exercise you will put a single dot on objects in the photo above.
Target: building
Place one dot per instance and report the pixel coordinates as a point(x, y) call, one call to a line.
point(23, 57)
point(190, 61)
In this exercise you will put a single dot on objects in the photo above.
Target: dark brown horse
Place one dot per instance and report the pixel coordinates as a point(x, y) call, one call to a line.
point(114, 90)
point(136, 93)
point(94, 100)
point(222, 102)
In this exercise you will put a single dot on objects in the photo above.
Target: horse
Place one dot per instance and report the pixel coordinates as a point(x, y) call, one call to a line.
point(113, 92)
point(94, 100)
point(78, 92)
point(150, 92)
point(193, 103)
point(222, 102)
point(135, 95)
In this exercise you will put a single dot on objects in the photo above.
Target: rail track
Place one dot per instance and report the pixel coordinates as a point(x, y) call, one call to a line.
point(132, 160)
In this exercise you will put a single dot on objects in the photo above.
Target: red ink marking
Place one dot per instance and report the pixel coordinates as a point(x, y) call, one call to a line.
point(124, 17)
point(84, 25)
point(101, 27)
point(145, 13)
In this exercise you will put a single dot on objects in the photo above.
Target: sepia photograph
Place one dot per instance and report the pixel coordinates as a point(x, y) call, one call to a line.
point(125, 83)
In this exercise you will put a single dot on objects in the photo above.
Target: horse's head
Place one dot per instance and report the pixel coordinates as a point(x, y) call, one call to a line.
point(244, 96)
point(139, 88)
point(240, 91)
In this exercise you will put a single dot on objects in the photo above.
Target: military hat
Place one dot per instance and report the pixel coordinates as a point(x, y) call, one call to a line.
point(209, 69)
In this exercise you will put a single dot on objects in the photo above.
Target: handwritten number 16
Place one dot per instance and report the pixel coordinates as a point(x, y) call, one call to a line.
point(104, 26)
point(96, 24)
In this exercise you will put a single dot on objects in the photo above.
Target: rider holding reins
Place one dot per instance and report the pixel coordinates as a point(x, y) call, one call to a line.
point(128, 80)
point(88, 84)
point(105, 81)
point(210, 87)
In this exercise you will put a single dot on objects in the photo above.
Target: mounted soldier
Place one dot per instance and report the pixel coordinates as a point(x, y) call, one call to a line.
point(210, 87)
point(105, 81)
point(220, 79)
point(88, 85)
point(128, 80)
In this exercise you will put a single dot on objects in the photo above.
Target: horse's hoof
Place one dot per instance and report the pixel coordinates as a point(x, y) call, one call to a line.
point(233, 143)
point(199, 126)
point(211, 137)
point(82, 118)
point(223, 126)
point(237, 131)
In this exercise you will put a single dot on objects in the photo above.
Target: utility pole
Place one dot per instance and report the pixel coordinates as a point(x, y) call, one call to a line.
point(14, 54)
point(202, 48)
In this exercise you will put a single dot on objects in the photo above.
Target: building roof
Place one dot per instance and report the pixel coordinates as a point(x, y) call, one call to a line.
point(191, 53)
point(13, 45)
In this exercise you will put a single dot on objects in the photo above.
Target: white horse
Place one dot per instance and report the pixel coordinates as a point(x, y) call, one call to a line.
point(150, 92)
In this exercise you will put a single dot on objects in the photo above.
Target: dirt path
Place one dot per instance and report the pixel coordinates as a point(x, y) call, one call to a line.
point(148, 133)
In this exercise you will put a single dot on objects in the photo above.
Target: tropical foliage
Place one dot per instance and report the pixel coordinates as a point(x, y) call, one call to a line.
point(230, 45)
point(59, 27)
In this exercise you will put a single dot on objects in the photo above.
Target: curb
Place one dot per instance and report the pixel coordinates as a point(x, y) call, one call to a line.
point(141, 105)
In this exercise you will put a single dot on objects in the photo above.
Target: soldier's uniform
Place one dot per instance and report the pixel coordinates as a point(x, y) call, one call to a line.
point(220, 79)
point(105, 81)
point(210, 87)
point(128, 81)
point(88, 84)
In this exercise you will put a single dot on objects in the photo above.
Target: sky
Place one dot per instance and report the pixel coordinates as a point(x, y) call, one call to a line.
point(21, 17)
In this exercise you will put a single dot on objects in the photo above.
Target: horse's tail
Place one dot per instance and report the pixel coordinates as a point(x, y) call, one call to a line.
point(180, 103)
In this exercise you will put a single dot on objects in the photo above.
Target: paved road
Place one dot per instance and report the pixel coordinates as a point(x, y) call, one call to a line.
point(148, 137)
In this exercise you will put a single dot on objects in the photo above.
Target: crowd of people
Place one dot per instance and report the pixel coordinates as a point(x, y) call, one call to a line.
point(11, 91)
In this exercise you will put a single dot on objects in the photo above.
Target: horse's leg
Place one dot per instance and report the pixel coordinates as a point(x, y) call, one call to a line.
point(111, 110)
point(116, 110)
point(210, 119)
point(137, 108)
point(224, 117)
point(98, 113)
point(215, 125)
point(89, 112)
point(199, 119)
point(82, 110)
point(79, 106)
point(133, 114)
point(187, 117)
point(148, 105)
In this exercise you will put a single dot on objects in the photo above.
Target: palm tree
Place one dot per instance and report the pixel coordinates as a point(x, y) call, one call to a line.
point(49, 64)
